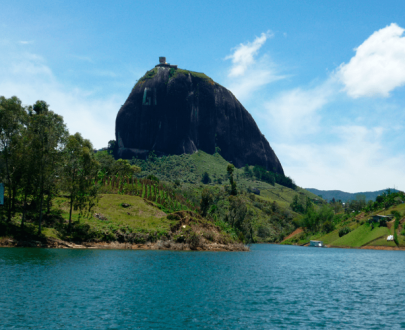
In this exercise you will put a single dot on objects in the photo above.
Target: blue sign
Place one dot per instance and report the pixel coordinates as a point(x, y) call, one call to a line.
point(1, 194)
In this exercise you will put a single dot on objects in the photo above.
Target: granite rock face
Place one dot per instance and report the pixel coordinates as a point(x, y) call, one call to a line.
point(173, 111)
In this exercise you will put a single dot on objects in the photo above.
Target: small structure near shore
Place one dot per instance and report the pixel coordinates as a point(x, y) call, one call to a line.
point(316, 244)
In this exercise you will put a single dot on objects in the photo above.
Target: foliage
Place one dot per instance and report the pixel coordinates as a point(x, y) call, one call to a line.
point(206, 178)
point(206, 201)
point(79, 166)
point(237, 212)
point(314, 220)
point(230, 168)
point(153, 178)
point(296, 206)
point(270, 177)
point(148, 75)
point(344, 231)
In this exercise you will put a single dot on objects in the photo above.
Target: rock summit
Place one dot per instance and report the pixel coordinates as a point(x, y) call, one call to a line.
point(175, 111)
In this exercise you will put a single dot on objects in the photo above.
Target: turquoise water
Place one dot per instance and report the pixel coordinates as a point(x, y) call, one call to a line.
point(270, 287)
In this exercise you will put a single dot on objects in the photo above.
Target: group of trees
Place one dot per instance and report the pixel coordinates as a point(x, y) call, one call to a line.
point(38, 159)
point(270, 177)
point(301, 205)
point(312, 219)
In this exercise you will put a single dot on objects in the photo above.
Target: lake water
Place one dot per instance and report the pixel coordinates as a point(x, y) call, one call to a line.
point(270, 287)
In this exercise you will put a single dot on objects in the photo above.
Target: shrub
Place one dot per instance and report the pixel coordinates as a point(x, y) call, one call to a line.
point(193, 240)
point(263, 231)
point(206, 178)
point(206, 201)
point(344, 231)
point(152, 178)
point(328, 227)
point(396, 237)
point(209, 236)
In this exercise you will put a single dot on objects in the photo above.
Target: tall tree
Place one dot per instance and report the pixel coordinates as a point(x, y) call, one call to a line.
point(49, 138)
point(78, 173)
point(12, 120)
point(230, 170)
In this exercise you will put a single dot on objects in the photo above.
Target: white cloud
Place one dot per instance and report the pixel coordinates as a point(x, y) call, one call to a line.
point(243, 56)
point(295, 113)
point(378, 66)
point(359, 161)
point(313, 133)
point(29, 78)
point(247, 73)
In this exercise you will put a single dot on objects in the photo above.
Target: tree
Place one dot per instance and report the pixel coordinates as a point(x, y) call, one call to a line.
point(111, 146)
point(318, 220)
point(49, 138)
point(12, 122)
point(79, 169)
point(296, 206)
point(106, 161)
point(205, 178)
point(123, 168)
point(230, 170)
point(206, 201)
point(237, 212)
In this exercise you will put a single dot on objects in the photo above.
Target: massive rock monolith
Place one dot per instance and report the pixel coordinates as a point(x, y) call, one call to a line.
point(174, 111)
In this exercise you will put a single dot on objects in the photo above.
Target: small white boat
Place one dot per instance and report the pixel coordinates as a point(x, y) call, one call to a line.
point(316, 244)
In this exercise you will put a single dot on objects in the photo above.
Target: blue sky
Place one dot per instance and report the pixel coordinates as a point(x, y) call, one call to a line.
point(324, 80)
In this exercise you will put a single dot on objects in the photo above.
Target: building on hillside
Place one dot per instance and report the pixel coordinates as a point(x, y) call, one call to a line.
point(381, 219)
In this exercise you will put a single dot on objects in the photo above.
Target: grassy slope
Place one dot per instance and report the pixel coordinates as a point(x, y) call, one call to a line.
point(139, 216)
point(189, 169)
point(361, 236)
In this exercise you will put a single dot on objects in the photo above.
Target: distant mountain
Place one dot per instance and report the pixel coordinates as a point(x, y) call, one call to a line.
point(345, 196)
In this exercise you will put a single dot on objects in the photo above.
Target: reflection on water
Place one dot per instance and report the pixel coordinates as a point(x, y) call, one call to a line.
point(270, 287)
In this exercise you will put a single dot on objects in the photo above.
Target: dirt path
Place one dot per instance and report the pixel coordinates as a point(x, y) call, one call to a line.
point(295, 232)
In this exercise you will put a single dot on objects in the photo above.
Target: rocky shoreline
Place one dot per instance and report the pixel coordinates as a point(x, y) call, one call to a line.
point(159, 245)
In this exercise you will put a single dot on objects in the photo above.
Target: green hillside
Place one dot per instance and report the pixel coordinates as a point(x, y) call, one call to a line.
point(188, 170)
point(260, 212)
point(361, 233)
point(268, 206)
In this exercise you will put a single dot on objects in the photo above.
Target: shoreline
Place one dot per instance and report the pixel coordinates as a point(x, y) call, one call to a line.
point(370, 247)
point(367, 247)
point(168, 245)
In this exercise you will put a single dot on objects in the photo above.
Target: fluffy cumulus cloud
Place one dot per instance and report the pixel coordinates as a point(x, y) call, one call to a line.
point(249, 72)
point(378, 66)
point(358, 161)
point(324, 139)
point(28, 77)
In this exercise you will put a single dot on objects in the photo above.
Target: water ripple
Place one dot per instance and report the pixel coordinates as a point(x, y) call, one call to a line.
point(271, 287)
